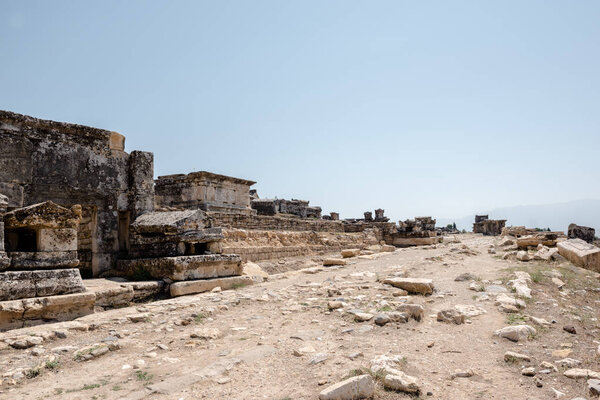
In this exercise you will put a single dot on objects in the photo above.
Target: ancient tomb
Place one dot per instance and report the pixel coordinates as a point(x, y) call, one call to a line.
point(180, 246)
point(486, 226)
point(73, 164)
point(41, 282)
point(203, 191)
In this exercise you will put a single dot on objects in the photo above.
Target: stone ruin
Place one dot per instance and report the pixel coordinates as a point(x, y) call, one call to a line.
point(294, 207)
point(39, 278)
point(489, 227)
point(584, 233)
point(416, 232)
point(74, 204)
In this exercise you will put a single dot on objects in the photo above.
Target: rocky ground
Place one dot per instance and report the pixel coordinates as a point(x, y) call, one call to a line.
point(493, 328)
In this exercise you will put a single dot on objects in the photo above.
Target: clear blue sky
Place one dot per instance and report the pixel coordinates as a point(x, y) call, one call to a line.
point(439, 108)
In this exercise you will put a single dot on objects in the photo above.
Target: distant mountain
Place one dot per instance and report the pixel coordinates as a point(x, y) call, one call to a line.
point(556, 216)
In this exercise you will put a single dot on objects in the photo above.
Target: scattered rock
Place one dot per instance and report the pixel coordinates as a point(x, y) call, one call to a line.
point(347, 253)
point(511, 356)
point(466, 276)
point(570, 329)
point(577, 373)
point(401, 382)
point(382, 319)
point(415, 311)
point(530, 371)
point(358, 387)
point(522, 256)
point(328, 262)
point(362, 317)
point(451, 316)
point(412, 285)
point(516, 333)
point(469, 310)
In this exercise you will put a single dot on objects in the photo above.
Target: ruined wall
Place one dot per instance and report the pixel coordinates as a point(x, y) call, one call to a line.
point(71, 164)
point(203, 190)
point(265, 222)
point(255, 245)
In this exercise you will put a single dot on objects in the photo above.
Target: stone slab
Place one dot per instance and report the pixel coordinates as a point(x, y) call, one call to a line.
point(57, 240)
point(39, 310)
point(412, 285)
point(416, 241)
point(16, 285)
point(43, 260)
point(205, 285)
point(110, 293)
point(580, 253)
point(185, 267)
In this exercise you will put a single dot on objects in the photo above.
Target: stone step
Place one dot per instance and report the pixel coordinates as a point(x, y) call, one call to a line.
point(39, 310)
point(205, 285)
point(16, 285)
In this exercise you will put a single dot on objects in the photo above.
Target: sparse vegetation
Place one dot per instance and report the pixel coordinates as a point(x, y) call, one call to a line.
point(52, 364)
point(143, 376)
point(238, 285)
point(199, 318)
point(513, 319)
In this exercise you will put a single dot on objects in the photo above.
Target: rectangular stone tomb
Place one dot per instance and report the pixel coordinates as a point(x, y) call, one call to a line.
point(580, 253)
point(205, 285)
point(28, 312)
point(16, 285)
point(184, 268)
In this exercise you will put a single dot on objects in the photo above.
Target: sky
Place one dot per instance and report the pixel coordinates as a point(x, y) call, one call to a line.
point(442, 108)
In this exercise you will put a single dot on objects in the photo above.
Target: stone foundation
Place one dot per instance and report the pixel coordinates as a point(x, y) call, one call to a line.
point(16, 285)
point(184, 267)
point(28, 312)
point(256, 245)
point(200, 286)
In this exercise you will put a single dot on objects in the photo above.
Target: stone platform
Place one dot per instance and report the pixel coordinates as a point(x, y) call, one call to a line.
point(16, 285)
point(416, 241)
point(205, 285)
point(184, 268)
point(40, 310)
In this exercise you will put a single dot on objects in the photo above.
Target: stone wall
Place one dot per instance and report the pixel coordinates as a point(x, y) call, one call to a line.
point(71, 164)
point(265, 222)
point(255, 245)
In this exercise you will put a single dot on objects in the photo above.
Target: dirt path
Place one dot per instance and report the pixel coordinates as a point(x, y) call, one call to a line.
point(278, 340)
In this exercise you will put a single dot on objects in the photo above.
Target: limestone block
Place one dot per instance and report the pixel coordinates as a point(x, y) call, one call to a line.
point(28, 312)
point(110, 293)
point(16, 285)
point(185, 267)
point(347, 253)
point(145, 289)
point(580, 253)
point(57, 240)
point(205, 285)
point(358, 387)
point(412, 285)
point(328, 262)
point(43, 260)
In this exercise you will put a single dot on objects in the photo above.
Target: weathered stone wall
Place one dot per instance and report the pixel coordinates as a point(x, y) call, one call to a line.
point(265, 222)
point(255, 245)
point(203, 190)
point(71, 164)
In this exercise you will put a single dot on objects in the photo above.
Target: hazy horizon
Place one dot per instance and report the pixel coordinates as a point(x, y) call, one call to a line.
point(427, 108)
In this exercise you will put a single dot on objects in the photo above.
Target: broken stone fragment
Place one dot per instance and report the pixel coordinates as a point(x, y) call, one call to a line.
point(522, 256)
point(516, 333)
point(358, 387)
point(451, 316)
point(329, 262)
point(401, 382)
point(347, 253)
point(415, 311)
point(578, 373)
point(511, 356)
point(412, 285)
